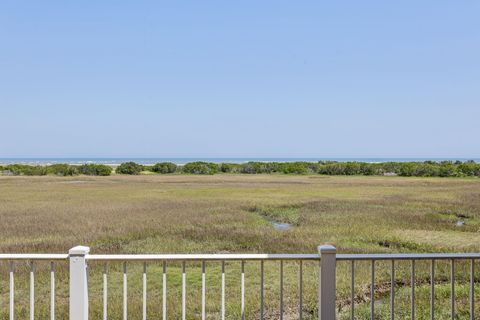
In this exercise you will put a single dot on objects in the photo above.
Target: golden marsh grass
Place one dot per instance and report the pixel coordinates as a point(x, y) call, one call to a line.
point(231, 213)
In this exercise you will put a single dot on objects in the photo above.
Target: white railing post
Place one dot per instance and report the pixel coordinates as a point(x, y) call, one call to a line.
point(327, 285)
point(78, 283)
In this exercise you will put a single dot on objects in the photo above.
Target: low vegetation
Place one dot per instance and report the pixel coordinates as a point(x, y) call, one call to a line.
point(200, 167)
point(129, 168)
point(405, 169)
point(61, 169)
point(164, 167)
point(94, 170)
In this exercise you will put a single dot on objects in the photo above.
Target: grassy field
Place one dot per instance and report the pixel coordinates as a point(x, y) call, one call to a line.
point(234, 213)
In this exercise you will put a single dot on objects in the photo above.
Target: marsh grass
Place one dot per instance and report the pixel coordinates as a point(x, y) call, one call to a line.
point(226, 213)
point(285, 214)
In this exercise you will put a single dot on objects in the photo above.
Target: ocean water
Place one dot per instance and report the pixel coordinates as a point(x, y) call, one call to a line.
point(147, 161)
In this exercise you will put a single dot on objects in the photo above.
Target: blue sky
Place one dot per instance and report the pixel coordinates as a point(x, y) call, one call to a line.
point(239, 79)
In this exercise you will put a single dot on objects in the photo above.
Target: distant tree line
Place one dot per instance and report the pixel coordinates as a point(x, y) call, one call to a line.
point(406, 169)
point(60, 169)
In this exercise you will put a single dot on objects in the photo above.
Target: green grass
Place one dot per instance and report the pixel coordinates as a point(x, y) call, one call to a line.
point(232, 213)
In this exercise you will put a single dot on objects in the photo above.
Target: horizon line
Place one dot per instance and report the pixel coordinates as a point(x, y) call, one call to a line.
point(243, 157)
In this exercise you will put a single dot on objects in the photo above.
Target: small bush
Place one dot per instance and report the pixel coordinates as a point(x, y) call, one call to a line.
point(447, 169)
point(26, 170)
point(62, 169)
point(469, 169)
point(356, 168)
point(407, 169)
point(389, 167)
point(94, 170)
point(200, 167)
point(164, 167)
point(370, 169)
point(230, 167)
point(254, 167)
point(129, 168)
point(332, 168)
point(295, 167)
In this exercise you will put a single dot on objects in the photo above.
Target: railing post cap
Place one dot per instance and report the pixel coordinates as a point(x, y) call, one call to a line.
point(79, 250)
point(327, 248)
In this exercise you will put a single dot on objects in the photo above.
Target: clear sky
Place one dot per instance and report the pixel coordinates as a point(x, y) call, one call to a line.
point(240, 78)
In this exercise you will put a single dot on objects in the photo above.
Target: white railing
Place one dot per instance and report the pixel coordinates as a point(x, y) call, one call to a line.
point(327, 257)
point(203, 258)
point(31, 258)
point(433, 258)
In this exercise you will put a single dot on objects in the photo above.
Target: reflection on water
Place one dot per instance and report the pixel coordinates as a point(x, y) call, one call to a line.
point(281, 226)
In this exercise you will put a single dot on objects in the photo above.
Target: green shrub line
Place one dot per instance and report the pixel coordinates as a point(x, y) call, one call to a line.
point(60, 169)
point(164, 167)
point(404, 169)
point(129, 168)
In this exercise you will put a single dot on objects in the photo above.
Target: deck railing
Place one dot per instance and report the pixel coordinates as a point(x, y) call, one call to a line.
point(203, 258)
point(412, 258)
point(31, 259)
point(327, 258)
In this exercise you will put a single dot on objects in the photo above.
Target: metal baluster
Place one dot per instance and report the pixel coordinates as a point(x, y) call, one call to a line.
point(32, 291)
point(242, 307)
point(184, 292)
point(223, 291)
point(52, 290)
point(125, 292)
point(452, 289)
point(392, 290)
point(164, 291)
point(281, 289)
point(472, 289)
point(300, 280)
point(12, 291)
point(203, 290)
point(432, 290)
point(105, 291)
point(144, 286)
point(352, 292)
point(372, 292)
point(261, 289)
point(412, 293)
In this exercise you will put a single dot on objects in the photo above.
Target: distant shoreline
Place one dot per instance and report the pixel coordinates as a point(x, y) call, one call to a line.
point(182, 161)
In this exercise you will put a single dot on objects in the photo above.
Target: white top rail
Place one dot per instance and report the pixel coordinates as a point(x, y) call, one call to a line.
point(33, 256)
point(244, 257)
point(185, 257)
point(409, 256)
